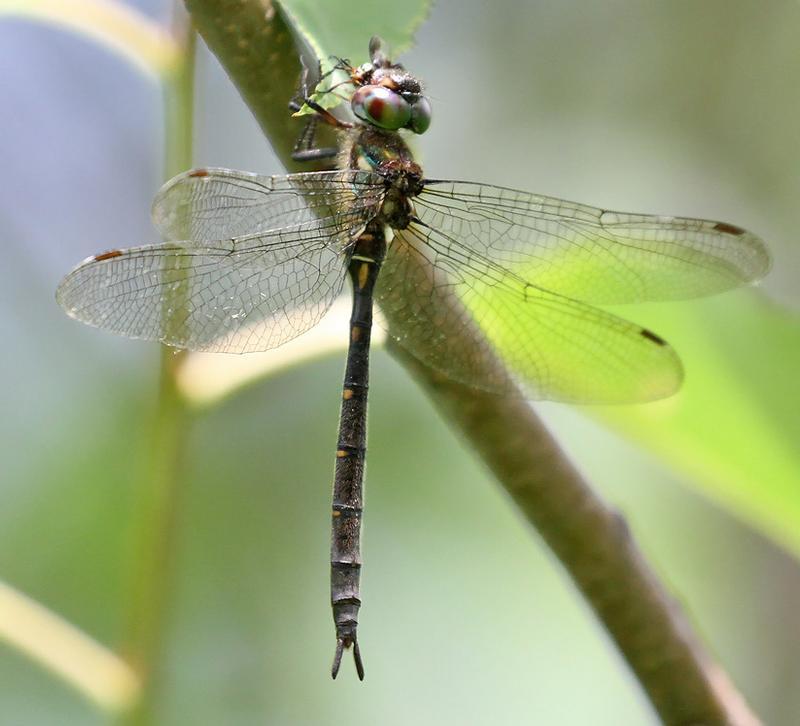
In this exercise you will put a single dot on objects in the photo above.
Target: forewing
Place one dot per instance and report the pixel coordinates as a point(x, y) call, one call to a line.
point(206, 205)
point(240, 295)
point(592, 254)
point(437, 295)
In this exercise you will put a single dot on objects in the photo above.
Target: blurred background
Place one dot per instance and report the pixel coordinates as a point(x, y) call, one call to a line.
point(670, 108)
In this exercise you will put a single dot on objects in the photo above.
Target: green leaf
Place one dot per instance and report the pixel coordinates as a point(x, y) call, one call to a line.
point(343, 28)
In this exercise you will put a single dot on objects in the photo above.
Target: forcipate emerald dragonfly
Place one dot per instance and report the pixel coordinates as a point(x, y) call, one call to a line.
point(252, 261)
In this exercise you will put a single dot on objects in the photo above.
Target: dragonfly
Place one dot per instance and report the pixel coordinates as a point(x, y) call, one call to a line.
point(250, 262)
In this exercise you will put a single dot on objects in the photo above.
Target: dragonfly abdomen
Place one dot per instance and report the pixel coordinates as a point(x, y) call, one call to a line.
point(351, 450)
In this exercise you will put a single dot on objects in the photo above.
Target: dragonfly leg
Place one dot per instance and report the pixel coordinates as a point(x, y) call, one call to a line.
point(322, 113)
point(304, 97)
point(304, 149)
point(315, 154)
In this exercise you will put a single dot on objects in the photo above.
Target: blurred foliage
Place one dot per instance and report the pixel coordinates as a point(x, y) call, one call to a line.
point(125, 31)
point(683, 108)
point(733, 429)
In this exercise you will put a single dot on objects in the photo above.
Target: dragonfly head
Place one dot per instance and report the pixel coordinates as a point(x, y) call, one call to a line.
point(387, 95)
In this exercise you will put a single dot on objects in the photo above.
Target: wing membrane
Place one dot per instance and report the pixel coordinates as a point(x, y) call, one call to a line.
point(205, 205)
point(592, 254)
point(245, 294)
point(556, 348)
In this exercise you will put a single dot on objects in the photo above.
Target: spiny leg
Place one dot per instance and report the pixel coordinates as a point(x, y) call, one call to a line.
point(304, 149)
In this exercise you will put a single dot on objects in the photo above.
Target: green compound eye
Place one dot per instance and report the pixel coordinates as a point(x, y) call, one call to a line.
point(382, 107)
point(420, 115)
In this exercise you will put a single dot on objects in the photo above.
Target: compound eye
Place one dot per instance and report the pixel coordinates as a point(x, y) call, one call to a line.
point(382, 107)
point(421, 113)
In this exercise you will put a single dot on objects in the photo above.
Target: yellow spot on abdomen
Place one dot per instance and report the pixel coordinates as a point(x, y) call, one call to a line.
point(341, 453)
point(363, 274)
point(347, 394)
point(355, 333)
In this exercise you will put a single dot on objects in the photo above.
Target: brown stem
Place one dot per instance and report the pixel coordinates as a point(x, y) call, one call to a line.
point(594, 545)
point(592, 542)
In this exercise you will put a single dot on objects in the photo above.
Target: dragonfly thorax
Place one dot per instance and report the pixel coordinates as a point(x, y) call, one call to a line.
point(384, 153)
point(397, 210)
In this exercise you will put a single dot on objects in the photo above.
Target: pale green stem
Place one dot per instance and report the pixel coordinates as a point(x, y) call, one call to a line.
point(161, 489)
point(66, 651)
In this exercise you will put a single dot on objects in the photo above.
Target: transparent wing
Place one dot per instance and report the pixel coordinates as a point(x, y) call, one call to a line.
point(592, 254)
point(244, 294)
point(556, 348)
point(205, 205)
